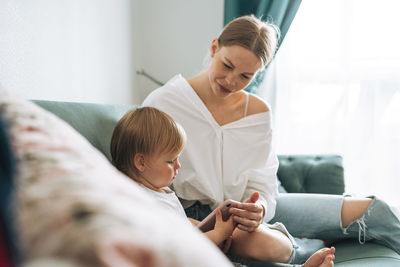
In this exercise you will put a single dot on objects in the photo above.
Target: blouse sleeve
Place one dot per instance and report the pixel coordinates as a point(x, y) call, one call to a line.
point(264, 180)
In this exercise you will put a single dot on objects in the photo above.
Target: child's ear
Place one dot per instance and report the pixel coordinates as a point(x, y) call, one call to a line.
point(138, 160)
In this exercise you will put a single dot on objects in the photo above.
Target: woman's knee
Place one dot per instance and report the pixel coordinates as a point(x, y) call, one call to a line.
point(353, 208)
point(264, 244)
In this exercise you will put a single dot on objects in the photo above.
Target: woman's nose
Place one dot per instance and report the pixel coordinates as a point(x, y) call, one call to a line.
point(230, 79)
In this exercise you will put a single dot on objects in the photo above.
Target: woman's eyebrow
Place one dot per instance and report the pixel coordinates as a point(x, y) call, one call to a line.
point(233, 66)
point(230, 63)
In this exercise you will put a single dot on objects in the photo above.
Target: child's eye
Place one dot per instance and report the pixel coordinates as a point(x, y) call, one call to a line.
point(245, 76)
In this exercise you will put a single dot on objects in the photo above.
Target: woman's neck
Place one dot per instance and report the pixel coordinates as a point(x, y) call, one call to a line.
point(201, 85)
point(223, 109)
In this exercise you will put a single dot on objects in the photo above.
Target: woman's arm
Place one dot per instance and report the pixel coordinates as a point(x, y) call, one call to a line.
point(261, 178)
point(259, 199)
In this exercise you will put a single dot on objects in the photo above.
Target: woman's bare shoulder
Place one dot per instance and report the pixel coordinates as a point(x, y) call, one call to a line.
point(257, 105)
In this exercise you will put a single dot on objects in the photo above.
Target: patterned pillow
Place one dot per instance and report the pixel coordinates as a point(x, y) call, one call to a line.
point(74, 205)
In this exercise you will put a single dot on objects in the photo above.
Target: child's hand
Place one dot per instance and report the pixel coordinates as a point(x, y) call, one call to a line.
point(224, 229)
point(226, 245)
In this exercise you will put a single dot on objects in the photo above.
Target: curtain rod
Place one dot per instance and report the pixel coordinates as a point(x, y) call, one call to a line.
point(148, 76)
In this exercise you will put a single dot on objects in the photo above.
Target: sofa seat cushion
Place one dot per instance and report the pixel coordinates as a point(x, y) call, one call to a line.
point(350, 253)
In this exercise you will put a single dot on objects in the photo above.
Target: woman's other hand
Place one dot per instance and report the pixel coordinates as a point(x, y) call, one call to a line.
point(248, 215)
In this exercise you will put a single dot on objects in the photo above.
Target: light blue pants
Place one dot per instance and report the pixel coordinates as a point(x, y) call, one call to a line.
point(310, 215)
point(311, 218)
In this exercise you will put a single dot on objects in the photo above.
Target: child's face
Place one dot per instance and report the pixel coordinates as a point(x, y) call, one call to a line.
point(161, 170)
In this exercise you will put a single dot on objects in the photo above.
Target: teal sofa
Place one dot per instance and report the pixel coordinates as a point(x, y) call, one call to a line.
point(297, 173)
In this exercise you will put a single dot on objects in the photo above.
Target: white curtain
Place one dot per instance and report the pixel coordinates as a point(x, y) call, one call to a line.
point(335, 88)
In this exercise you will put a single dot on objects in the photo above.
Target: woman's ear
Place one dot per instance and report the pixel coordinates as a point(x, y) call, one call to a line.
point(214, 47)
point(139, 161)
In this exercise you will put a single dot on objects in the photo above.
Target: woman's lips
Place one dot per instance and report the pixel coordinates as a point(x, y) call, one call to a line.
point(224, 89)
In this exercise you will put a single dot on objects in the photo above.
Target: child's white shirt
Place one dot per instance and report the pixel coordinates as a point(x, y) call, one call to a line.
point(168, 199)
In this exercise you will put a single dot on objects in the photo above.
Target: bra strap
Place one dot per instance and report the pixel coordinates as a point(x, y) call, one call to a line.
point(247, 104)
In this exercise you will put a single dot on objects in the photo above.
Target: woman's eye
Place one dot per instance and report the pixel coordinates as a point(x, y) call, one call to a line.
point(245, 76)
point(227, 66)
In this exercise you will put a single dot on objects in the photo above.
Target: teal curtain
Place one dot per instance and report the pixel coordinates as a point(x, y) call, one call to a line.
point(279, 12)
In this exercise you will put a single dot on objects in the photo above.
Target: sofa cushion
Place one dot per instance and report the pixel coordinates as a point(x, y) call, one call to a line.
point(73, 204)
point(349, 253)
point(311, 174)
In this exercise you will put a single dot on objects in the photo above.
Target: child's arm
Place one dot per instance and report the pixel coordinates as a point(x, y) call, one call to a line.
point(222, 229)
point(194, 221)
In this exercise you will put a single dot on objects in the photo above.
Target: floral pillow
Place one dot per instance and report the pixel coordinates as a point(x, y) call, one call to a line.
point(73, 205)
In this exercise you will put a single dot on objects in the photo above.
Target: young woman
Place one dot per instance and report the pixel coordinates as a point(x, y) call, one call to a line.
point(229, 151)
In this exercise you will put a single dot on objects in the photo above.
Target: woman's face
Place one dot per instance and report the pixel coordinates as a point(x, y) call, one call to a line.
point(232, 68)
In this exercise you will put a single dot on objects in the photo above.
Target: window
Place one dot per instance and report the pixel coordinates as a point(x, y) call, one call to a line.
point(337, 81)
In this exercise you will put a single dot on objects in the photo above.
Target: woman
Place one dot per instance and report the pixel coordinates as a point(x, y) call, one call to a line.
point(229, 151)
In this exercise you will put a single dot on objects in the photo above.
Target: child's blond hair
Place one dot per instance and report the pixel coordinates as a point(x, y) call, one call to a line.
point(145, 130)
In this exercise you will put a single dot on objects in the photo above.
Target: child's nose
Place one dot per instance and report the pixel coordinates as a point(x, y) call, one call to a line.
point(177, 165)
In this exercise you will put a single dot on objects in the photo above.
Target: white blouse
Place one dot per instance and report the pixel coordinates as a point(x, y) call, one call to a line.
point(219, 162)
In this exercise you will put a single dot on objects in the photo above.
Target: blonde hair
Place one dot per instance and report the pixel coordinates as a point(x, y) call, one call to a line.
point(144, 130)
point(251, 33)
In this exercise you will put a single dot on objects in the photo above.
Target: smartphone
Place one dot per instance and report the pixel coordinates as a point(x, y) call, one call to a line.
point(208, 223)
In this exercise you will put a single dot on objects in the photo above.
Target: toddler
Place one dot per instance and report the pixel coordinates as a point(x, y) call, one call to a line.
point(146, 144)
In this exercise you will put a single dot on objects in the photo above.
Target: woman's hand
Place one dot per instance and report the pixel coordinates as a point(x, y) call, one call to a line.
point(248, 215)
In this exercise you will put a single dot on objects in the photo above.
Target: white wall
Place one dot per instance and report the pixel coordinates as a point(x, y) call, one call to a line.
point(90, 50)
point(175, 38)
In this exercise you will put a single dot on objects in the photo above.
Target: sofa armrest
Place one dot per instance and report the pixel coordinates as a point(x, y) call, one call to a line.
point(311, 173)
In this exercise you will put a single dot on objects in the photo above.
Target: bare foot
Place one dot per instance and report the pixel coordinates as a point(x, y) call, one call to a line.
point(328, 262)
point(322, 258)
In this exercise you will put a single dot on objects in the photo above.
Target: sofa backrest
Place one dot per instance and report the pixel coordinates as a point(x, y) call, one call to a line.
point(297, 173)
point(95, 122)
point(312, 173)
